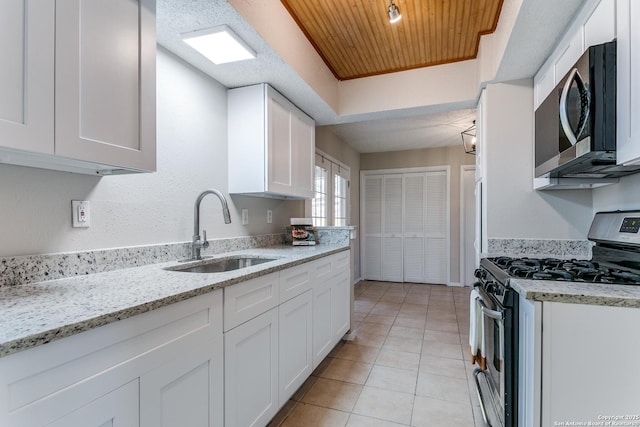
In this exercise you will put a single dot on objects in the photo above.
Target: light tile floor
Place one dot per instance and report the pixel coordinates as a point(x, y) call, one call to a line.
point(408, 365)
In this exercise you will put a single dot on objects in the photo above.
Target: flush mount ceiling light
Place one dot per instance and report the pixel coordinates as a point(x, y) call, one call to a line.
point(394, 13)
point(219, 44)
point(469, 139)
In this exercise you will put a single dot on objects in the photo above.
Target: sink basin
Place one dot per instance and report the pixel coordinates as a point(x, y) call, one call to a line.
point(224, 264)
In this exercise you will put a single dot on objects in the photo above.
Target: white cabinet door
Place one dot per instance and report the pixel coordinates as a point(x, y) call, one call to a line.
point(26, 75)
point(105, 82)
point(322, 329)
point(303, 160)
point(529, 374)
point(628, 70)
point(186, 391)
point(118, 408)
point(340, 306)
point(295, 355)
point(251, 371)
point(589, 367)
point(600, 26)
point(280, 174)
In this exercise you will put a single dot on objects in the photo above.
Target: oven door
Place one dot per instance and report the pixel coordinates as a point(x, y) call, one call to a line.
point(490, 383)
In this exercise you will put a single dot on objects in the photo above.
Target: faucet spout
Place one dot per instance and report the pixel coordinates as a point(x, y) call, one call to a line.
point(197, 244)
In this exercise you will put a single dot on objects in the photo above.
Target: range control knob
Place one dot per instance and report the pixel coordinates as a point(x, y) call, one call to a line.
point(492, 288)
point(480, 273)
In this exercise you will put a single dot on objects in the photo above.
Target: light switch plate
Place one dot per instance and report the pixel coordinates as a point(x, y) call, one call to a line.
point(269, 216)
point(80, 213)
point(245, 216)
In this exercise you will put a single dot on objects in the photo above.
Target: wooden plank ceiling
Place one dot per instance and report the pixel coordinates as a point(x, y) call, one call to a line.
point(355, 38)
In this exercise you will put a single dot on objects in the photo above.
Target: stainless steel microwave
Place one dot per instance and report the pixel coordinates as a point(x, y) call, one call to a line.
point(575, 126)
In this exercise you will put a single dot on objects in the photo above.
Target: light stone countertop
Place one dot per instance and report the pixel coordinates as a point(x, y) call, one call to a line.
point(38, 313)
point(578, 292)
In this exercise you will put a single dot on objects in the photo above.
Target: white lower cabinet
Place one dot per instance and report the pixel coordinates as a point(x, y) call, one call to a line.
point(529, 328)
point(119, 408)
point(296, 356)
point(186, 391)
point(331, 308)
point(576, 365)
point(269, 356)
point(251, 371)
point(135, 372)
point(174, 366)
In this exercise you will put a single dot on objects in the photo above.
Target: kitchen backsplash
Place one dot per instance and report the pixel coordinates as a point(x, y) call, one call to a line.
point(35, 268)
point(563, 249)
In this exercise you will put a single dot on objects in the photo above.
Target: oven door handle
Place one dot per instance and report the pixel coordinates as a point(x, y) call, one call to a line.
point(494, 314)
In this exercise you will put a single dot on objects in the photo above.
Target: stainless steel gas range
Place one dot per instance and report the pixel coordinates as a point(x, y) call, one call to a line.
point(615, 260)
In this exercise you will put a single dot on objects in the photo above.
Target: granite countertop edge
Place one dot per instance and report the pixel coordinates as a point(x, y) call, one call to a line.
point(578, 292)
point(43, 312)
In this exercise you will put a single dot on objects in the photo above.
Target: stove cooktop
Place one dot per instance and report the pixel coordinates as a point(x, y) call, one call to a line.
point(564, 270)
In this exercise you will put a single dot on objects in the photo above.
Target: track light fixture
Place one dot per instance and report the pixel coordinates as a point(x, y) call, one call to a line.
point(394, 13)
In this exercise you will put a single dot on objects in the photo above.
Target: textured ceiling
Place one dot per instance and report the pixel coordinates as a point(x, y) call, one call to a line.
point(355, 38)
point(525, 53)
point(406, 133)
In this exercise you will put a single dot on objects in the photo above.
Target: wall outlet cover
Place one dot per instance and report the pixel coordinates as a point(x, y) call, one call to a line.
point(80, 213)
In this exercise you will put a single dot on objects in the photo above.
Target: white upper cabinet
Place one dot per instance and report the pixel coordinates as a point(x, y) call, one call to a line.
point(271, 144)
point(97, 115)
point(26, 75)
point(105, 82)
point(595, 24)
point(628, 67)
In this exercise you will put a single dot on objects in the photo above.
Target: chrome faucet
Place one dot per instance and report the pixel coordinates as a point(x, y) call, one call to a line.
point(196, 243)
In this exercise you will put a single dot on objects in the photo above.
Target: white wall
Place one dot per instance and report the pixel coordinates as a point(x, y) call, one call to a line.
point(131, 210)
point(621, 196)
point(514, 209)
point(330, 144)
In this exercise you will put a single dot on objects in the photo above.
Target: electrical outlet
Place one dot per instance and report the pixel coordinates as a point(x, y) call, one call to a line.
point(80, 213)
point(245, 216)
point(269, 216)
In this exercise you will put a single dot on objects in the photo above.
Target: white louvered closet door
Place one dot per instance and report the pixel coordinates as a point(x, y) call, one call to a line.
point(392, 217)
point(405, 227)
point(436, 254)
point(414, 227)
point(372, 248)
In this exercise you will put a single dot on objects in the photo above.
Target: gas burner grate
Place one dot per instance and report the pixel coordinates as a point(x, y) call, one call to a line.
point(564, 270)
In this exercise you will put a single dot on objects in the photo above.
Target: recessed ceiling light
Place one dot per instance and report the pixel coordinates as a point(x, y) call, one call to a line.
point(219, 44)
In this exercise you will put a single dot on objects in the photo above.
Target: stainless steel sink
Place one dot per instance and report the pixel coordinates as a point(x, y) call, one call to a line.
point(223, 264)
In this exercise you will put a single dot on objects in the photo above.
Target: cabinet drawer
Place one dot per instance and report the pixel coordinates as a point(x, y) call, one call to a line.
point(341, 261)
point(295, 281)
point(246, 300)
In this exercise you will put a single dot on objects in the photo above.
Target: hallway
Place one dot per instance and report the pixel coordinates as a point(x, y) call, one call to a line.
point(408, 365)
